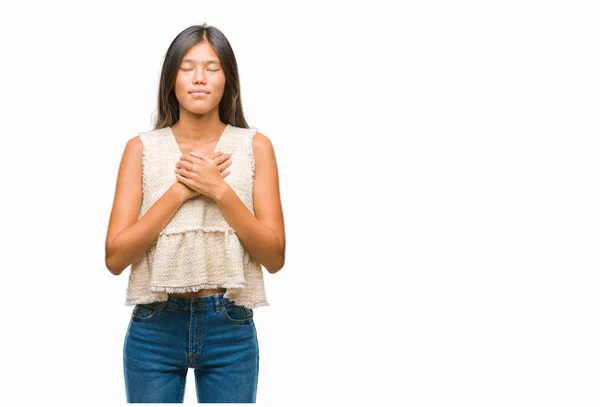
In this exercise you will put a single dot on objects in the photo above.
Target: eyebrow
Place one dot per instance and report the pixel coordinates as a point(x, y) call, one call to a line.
point(210, 61)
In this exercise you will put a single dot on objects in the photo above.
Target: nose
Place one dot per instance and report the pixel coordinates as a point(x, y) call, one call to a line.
point(199, 76)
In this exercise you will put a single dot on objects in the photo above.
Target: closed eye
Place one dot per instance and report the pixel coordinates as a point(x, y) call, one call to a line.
point(209, 70)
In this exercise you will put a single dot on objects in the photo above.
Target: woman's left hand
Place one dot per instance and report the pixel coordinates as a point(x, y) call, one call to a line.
point(199, 173)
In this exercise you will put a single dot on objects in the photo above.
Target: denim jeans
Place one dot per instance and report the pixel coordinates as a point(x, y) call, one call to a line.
point(212, 335)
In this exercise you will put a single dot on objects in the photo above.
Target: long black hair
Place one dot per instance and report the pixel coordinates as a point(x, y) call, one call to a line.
point(230, 106)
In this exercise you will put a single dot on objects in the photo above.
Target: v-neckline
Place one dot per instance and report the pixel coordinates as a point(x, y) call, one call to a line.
point(176, 144)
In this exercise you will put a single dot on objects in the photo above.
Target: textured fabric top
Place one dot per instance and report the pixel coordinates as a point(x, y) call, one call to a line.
point(197, 248)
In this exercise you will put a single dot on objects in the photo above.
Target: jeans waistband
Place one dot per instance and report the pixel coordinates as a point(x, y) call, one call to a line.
point(213, 301)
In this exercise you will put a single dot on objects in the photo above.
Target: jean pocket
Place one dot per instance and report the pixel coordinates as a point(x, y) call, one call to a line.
point(143, 312)
point(237, 313)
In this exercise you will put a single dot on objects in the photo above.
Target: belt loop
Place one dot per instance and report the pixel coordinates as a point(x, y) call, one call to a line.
point(217, 303)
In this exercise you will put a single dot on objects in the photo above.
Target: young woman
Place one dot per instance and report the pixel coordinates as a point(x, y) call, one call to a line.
point(196, 214)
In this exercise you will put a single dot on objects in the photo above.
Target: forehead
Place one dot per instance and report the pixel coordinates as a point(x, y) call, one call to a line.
point(201, 53)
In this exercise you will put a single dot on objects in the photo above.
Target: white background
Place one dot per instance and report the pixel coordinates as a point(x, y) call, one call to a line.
point(439, 168)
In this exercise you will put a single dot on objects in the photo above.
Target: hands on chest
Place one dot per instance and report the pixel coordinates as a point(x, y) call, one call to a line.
point(201, 173)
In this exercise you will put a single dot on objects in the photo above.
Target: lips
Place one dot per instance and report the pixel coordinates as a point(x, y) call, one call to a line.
point(198, 92)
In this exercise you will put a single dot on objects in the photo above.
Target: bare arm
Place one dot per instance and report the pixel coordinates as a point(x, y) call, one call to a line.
point(263, 234)
point(128, 238)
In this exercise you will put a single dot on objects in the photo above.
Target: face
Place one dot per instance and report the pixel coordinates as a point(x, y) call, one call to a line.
point(200, 70)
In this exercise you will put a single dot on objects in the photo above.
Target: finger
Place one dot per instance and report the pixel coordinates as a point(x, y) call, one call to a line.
point(188, 158)
point(216, 155)
point(219, 159)
point(223, 158)
point(183, 180)
point(224, 173)
point(194, 158)
point(224, 165)
point(185, 173)
point(185, 164)
point(200, 155)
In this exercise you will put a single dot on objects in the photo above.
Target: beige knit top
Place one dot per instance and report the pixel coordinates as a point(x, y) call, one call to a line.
point(197, 248)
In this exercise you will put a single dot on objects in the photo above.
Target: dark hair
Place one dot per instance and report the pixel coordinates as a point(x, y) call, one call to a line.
point(230, 106)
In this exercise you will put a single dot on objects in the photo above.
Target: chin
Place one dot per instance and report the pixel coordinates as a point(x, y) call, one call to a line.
point(198, 108)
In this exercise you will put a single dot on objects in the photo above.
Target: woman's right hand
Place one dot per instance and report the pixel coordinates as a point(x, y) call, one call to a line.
point(222, 160)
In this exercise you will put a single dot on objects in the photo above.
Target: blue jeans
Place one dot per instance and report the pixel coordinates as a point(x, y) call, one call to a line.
point(211, 334)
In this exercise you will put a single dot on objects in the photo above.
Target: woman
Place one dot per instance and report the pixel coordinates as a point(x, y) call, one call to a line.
point(196, 214)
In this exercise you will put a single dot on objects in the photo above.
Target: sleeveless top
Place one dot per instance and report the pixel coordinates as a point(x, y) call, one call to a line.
point(197, 248)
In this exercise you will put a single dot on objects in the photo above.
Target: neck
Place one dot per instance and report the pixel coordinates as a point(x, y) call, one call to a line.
point(198, 128)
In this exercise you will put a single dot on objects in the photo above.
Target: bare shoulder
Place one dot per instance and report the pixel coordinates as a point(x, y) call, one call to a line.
point(132, 155)
point(134, 145)
point(262, 143)
point(264, 155)
point(130, 170)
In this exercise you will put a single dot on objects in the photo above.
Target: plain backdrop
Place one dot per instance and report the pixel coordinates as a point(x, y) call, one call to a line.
point(439, 168)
